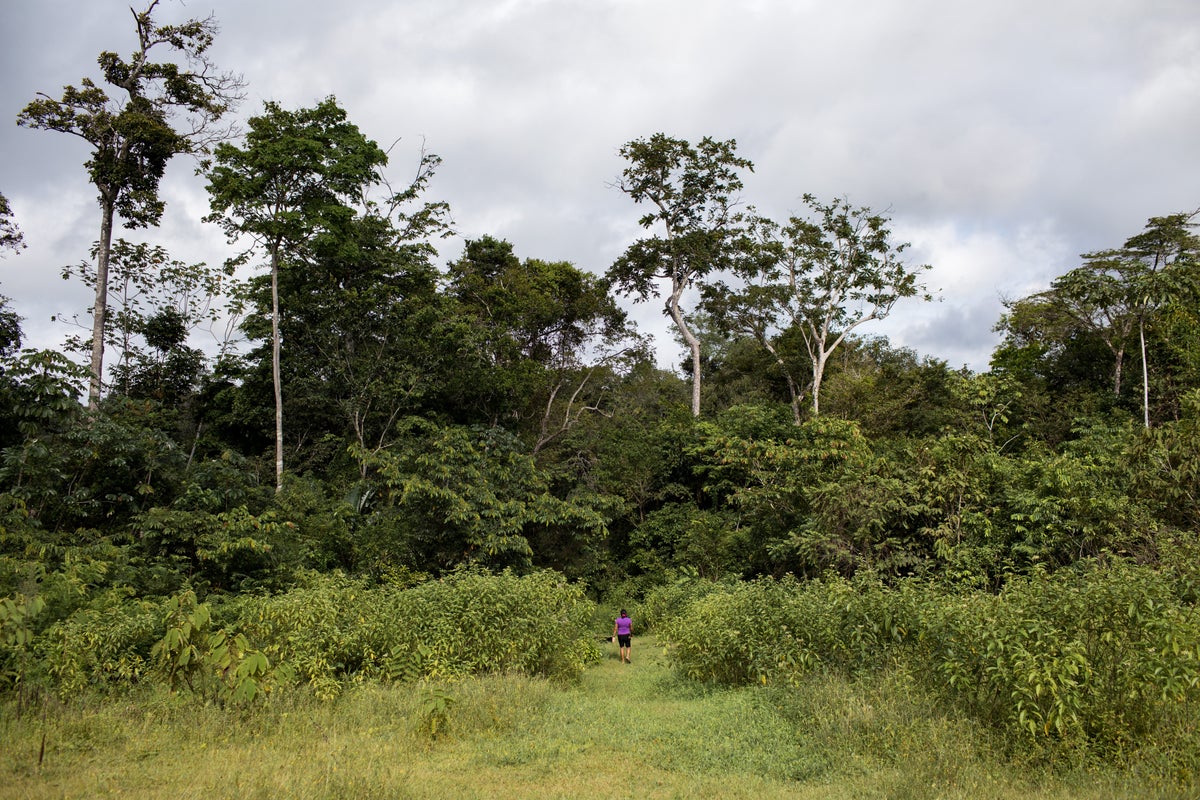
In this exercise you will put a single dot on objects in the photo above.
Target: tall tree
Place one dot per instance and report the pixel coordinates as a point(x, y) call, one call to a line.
point(1116, 293)
point(832, 271)
point(293, 183)
point(1167, 258)
point(691, 192)
point(158, 110)
point(363, 321)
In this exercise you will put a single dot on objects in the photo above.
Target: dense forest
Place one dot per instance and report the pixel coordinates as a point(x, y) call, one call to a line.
point(404, 427)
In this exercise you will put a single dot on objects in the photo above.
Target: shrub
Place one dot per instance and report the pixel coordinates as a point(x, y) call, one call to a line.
point(103, 646)
point(467, 623)
point(1108, 654)
point(1104, 656)
point(777, 629)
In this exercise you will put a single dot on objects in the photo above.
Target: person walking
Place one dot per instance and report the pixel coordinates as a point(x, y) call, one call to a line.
point(623, 630)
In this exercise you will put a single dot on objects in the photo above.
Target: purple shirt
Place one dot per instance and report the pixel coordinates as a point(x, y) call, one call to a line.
point(624, 626)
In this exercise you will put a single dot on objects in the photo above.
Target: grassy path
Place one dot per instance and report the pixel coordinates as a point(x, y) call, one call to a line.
point(636, 731)
point(633, 730)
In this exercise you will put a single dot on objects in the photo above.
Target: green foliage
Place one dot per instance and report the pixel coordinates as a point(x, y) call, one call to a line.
point(457, 495)
point(679, 536)
point(1166, 467)
point(821, 275)
point(1111, 655)
point(11, 237)
point(466, 623)
point(1103, 657)
point(96, 471)
point(133, 133)
point(15, 616)
point(533, 323)
point(536, 624)
point(103, 646)
point(211, 662)
point(691, 191)
point(16, 635)
point(773, 630)
point(290, 189)
point(153, 303)
point(224, 551)
point(664, 604)
point(1077, 504)
point(436, 702)
point(749, 466)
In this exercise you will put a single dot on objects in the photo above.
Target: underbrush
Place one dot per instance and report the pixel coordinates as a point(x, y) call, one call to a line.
point(327, 634)
point(1100, 664)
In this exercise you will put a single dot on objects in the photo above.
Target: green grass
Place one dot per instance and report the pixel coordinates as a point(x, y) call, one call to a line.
point(622, 731)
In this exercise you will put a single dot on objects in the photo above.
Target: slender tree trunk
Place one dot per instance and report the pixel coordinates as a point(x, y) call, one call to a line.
point(276, 376)
point(1145, 376)
point(818, 374)
point(100, 307)
point(795, 398)
point(693, 344)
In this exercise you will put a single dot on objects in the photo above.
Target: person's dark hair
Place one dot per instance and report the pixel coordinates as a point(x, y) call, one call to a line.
point(623, 614)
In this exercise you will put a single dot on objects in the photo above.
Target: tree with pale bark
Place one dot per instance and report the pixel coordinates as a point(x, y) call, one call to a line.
point(825, 275)
point(691, 195)
point(292, 184)
point(147, 113)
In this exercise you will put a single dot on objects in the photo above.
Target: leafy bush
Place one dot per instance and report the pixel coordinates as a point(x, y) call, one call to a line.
point(1106, 656)
point(455, 495)
point(1110, 655)
point(773, 630)
point(16, 634)
point(665, 603)
point(212, 662)
point(104, 645)
point(466, 623)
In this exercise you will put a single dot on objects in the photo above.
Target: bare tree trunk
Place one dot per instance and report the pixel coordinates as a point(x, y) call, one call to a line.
point(1145, 376)
point(275, 371)
point(818, 374)
point(100, 307)
point(693, 344)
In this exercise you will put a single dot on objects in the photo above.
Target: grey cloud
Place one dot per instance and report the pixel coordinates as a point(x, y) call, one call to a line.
point(1011, 136)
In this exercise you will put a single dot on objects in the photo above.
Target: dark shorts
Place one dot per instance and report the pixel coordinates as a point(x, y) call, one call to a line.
point(623, 639)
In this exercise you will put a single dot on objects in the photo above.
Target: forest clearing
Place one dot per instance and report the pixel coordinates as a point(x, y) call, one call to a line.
point(623, 731)
point(370, 542)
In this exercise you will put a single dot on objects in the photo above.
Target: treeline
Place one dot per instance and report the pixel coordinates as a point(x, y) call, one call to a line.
point(397, 420)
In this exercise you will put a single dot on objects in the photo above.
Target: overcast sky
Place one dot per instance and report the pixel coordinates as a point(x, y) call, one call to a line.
point(1003, 137)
